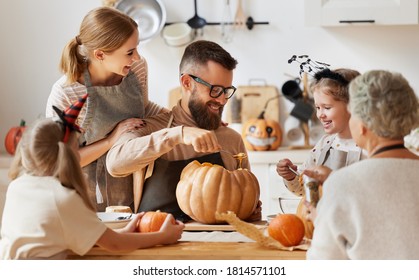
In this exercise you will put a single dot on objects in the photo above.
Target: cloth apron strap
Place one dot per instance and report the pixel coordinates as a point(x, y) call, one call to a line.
point(144, 174)
point(325, 151)
point(150, 167)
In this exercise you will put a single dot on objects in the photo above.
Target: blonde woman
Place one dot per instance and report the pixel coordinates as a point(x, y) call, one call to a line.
point(103, 61)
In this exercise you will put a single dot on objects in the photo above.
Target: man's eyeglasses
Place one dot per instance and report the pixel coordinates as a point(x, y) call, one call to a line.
point(215, 90)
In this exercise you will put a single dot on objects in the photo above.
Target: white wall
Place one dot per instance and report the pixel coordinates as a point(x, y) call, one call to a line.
point(33, 34)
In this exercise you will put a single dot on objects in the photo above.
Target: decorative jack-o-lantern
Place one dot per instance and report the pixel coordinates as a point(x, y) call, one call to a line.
point(13, 137)
point(205, 189)
point(262, 134)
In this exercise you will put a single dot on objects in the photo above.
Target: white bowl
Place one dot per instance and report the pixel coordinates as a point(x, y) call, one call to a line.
point(269, 218)
point(114, 220)
point(177, 34)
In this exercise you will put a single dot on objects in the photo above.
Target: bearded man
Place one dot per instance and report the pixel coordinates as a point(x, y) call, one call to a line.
point(157, 153)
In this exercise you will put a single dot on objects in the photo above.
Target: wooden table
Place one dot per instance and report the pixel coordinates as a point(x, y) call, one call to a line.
point(198, 251)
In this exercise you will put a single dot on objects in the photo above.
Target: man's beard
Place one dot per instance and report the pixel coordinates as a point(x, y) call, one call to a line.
point(203, 117)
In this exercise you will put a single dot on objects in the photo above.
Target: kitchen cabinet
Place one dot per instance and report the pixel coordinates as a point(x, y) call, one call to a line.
point(360, 12)
point(272, 188)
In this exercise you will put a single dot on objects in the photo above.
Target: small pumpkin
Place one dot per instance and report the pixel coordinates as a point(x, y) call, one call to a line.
point(13, 137)
point(288, 229)
point(152, 221)
point(205, 189)
point(262, 134)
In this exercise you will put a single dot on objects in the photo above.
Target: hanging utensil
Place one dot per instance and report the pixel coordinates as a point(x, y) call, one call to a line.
point(240, 19)
point(196, 22)
point(227, 24)
point(250, 23)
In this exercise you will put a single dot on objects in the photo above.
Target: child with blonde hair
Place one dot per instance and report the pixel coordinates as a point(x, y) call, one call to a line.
point(48, 211)
point(336, 148)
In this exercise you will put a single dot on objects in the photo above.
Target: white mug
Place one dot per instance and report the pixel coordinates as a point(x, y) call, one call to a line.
point(293, 129)
point(316, 131)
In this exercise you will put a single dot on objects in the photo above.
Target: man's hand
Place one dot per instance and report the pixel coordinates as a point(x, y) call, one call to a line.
point(202, 140)
point(257, 214)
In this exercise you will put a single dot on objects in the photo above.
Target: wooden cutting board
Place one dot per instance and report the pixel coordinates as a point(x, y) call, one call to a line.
point(249, 101)
point(196, 226)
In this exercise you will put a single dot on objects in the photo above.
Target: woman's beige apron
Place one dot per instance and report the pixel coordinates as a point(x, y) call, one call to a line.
point(106, 107)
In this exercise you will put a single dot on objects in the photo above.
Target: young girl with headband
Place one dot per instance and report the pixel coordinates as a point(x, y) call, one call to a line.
point(336, 148)
point(48, 211)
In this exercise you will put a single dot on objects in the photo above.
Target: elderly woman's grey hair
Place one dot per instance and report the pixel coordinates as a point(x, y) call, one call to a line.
point(385, 103)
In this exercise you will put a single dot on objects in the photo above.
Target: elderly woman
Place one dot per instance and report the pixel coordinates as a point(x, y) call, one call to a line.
point(369, 210)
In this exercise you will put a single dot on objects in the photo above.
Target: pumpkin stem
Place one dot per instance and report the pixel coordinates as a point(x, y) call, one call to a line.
point(262, 115)
point(22, 123)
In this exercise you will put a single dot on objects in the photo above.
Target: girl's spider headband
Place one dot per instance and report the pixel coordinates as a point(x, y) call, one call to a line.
point(319, 70)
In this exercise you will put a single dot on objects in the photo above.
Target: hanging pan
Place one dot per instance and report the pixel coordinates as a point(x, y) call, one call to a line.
point(150, 16)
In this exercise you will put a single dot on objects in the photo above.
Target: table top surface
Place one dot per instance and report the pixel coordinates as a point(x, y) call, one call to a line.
point(185, 250)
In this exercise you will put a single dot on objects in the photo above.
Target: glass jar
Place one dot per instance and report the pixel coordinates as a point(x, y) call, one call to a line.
point(311, 189)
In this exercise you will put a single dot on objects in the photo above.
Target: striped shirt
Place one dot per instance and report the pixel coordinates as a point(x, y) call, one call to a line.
point(63, 95)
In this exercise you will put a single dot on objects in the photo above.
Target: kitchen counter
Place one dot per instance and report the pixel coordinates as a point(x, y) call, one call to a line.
point(261, 157)
point(184, 250)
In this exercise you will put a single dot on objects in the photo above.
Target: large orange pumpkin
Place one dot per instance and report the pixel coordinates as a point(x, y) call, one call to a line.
point(205, 189)
point(288, 229)
point(13, 137)
point(262, 134)
point(152, 221)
